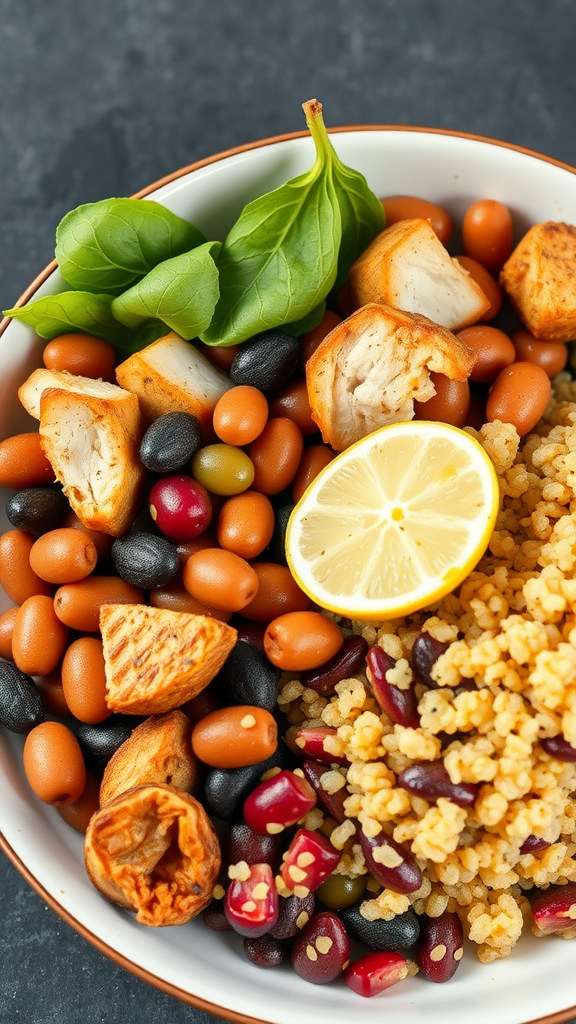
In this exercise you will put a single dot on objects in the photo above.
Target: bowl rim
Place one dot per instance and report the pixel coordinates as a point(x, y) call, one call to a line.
point(559, 1017)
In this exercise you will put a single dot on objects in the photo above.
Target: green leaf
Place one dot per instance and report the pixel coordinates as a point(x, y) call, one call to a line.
point(53, 315)
point(308, 322)
point(362, 216)
point(108, 246)
point(279, 260)
point(181, 292)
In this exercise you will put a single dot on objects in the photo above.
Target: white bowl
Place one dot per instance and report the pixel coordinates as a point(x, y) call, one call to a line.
point(538, 981)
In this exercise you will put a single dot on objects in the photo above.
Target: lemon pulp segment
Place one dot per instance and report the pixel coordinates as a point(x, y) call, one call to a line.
point(394, 522)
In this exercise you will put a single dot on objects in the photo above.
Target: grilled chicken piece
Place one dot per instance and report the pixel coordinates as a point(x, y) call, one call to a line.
point(155, 659)
point(158, 751)
point(172, 376)
point(372, 367)
point(92, 444)
point(40, 380)
point(539, 278)
point(406, 266)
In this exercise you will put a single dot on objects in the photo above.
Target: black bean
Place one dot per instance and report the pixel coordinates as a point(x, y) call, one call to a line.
point(99, 742)
point(170, 442)
point(37, 509)
point(293, 915)
point(276, 550)
point(267, 361)
point(145, 560)
point(247, 677)
point(226, 789)
point(399, 933)
point(20, 703)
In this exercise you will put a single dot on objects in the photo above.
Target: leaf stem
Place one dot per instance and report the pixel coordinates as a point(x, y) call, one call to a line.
point(313, 112)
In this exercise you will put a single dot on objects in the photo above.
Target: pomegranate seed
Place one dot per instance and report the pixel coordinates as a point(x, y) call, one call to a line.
point(180, 507)
point(559, 748)
point(310, 742)
point(375, 972)
point(431, 780)
point(400, 705)
point(333, 803)
point(321, 950)
point(554, 909)
point(533, 845)
point(243, 843)
point(293, 915)
point(425, 654)
point(310, 859)
point(278, 802)
point(390, 863)
point(266, 951)
point(440, 946)
point(251, 901)
point(343, 665)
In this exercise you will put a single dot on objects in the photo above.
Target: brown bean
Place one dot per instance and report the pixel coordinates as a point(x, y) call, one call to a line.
point(552, 356)
point(82, 354)
point(200, 543)
point(313, 461)
point(39, 638)
point(23, 463)
point(176, 598)
point(277, 593)
point(292, 401)
point(84, 680)
point(78, 604)
point(54, 764)
point(235, 737)
point(50, 689)
point(7, 620)
point(302, 640)
point(450, 404)
point(16, 575)
point(63, 556)
point(489, 286)
point(102, 541)
point(406, 207)
point(310, 341)
point(246, 524)
point(494, 352)
point(519, 395)
point(78, 813)
point(220, 579)
point(220, 357)
point(276, 455)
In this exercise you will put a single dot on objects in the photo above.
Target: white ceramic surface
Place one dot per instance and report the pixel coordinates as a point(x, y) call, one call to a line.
point(539, 978)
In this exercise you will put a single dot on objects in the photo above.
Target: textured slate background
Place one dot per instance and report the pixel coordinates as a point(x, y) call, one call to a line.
point(101, 98)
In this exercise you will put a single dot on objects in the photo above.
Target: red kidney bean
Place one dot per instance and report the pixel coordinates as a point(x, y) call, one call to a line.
point(252, 633)
point(266, 951)
point(430, 780)
point(425, 654)
point(309, 860)
point(278, 802)
point(440, 946)
point(251, 903)
point(554, 908)
point(310, 742)
point(344, 664)
point(375, 972)
point(401, 873)
point(532, 844)
point(400, 705)
point(215, 918)
point(322, 950)
point(243, 843)
point(293, 915)
point(559, 748)
point(333, 803)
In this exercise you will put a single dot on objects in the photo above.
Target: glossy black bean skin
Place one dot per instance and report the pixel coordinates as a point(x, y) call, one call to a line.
point(267, 361)
point(425, 654)
point(430, 780)
point(21, 705)
point(145, 560)
point(170, 442)
point(247, 677)
point(266, 951)
point(344, 664)
point(226, 789)
point(37, 509)
point(99, 742)
point(276, 550)
point(399, 933)
point(293, 915)
point(242, 843)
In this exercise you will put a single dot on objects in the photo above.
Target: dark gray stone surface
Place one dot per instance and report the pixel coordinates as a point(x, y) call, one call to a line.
point(101, 97)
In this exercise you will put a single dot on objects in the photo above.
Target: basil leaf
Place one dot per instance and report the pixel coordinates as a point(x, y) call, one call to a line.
point(108, 246)
point(181, 292)
point(308, 322)
point(279, 260)
point(81, 311)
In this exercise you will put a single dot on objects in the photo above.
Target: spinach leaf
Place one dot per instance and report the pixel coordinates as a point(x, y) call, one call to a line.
point(108, 246)
point(362, 216)
point(306, 323)
point(181, 292)
point(82, 311)
point(279, 260)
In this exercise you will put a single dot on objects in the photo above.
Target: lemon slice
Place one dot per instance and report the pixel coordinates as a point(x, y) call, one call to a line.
point(395, 522)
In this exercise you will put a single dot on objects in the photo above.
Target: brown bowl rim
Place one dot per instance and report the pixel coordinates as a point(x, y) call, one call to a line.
point(561, 1016)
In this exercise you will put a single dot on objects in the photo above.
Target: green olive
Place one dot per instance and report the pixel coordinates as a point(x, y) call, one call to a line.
point(340, 891)
point(223, 469)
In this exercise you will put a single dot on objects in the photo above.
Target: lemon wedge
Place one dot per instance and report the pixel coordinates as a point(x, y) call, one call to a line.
point(395, 522)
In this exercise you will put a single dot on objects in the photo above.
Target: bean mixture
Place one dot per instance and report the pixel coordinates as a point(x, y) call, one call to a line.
point(404, 784)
